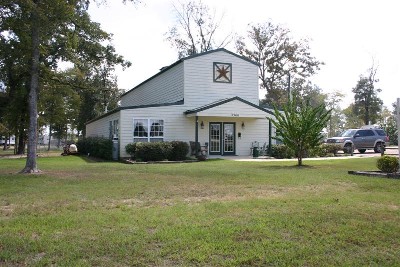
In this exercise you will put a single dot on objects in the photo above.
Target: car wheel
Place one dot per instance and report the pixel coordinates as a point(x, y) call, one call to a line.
point(362, 151)
point(378, 148)
point(347, 148)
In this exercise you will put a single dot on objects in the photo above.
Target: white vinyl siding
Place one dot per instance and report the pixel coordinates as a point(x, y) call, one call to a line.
point(192, 81)
point(234, 108)
point(200, 89)
point(101, 127)
point(176, 125)
point(167, 87)
point(254, 130)
point(179, 127)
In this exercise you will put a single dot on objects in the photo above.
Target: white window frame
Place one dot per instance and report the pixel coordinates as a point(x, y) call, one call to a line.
point(149, 137)
point(113, 129)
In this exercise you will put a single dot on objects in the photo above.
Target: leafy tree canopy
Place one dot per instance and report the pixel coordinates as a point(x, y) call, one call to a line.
point(278, 56)
point(367, 104)
point(38, 35)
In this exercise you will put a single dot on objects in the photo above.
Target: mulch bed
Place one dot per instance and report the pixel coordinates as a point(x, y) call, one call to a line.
point(376, 174)
point(129, 161)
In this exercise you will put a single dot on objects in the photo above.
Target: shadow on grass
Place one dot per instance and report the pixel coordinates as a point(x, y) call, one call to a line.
point(213, 160)
point(283, 167)
point(91, 159)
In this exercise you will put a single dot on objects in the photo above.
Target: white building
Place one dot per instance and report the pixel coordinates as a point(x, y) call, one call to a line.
point(211, 98)
point(9, 140)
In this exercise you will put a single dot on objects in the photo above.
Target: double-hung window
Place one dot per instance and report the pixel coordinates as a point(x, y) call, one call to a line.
point(148, 130)
point(113, 129)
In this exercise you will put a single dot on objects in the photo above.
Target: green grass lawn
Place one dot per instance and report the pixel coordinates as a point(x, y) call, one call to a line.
point(212, 213)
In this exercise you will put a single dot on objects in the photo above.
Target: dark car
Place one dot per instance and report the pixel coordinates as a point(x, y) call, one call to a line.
point(361, 139)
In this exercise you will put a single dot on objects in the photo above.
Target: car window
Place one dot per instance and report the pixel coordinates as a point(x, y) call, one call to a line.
point(381, 132)
point(365, 133)
point(348, 133)
point(369, 133)
point(360, 133)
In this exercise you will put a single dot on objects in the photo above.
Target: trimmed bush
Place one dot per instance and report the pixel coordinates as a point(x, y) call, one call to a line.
point(98, 147)
point(131, 149)
point(324, 150)
point(156, 151)
point(388, 164)
point(281, 152)
point(331, 148)
point(179, 150)
point(315, 152)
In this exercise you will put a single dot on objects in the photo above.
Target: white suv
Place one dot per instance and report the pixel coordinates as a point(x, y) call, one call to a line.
point(361, 139)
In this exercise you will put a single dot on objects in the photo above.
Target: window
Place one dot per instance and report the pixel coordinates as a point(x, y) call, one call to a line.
point(148, 130)
point(364, 133)
point(381, 132)
point(113, 129)
point(110, 130)
point(116, 130)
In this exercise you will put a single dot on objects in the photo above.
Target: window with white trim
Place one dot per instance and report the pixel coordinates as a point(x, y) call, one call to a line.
point(148, 130)
point(113, 129)
point(116, 129)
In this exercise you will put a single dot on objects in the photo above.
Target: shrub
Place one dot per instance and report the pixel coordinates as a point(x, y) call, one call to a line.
point(157, 151)
point(179, 150)
point(131, 149)
point(98, 147)
point(331, 148)
point(388, 164)
point(281, 152)
point(317, 151)
point(324, 150)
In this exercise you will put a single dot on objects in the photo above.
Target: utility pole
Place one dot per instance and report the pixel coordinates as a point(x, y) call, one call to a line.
point(398, 126)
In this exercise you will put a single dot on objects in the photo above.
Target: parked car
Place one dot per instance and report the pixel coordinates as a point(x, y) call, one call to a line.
point(361, 139)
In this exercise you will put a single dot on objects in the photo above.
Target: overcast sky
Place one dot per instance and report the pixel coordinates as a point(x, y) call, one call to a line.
point(348, 35)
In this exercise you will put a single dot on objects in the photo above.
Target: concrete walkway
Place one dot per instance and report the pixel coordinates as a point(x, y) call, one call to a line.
point(391, 151)
point(268, 159)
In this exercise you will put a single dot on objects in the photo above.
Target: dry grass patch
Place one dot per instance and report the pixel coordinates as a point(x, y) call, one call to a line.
point(212, 213)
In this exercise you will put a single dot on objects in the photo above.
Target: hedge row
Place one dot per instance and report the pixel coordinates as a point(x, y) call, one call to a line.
point(324, 150)
point(98, 147)
point(158, 151)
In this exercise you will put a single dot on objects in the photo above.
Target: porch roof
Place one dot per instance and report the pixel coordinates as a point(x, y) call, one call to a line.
point(230, 107)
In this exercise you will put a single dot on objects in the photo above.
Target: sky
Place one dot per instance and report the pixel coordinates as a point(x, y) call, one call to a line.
point(349, 36)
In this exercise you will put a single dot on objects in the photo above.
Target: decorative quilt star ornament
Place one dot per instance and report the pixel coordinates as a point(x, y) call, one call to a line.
point(222, 72)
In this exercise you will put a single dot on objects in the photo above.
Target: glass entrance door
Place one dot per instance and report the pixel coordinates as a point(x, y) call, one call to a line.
point(229, 139)
point(215, 139)
point(222, 138)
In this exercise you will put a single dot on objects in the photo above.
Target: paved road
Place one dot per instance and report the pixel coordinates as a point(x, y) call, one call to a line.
point(392, 151)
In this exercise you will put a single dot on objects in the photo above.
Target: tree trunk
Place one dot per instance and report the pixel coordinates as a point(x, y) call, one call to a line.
point(299, 161)
point(366, 118)
point(5, 142)
point(20, 149)
point(31, 165)
point(300, 156)
point(48, 148)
